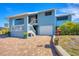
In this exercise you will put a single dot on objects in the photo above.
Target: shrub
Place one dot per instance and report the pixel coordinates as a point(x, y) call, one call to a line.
point(0, 32)
point(69, 28)
point(5, 31)
point(25, 34)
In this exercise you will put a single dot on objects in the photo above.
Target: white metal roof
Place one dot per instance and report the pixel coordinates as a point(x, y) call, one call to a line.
point(29, 13)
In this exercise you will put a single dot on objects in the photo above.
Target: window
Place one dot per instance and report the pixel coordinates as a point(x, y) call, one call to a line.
point(19, 21)
point(33, 18)
point(62, 18)
point(48, 13)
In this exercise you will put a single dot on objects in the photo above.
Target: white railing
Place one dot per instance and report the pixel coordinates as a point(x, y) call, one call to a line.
point(31, 28)
point(34, 21)
point(17, 28)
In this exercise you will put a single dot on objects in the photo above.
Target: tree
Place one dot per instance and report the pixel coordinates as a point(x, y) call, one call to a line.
point(69, 28)
point(77, 28)
point(4, 30)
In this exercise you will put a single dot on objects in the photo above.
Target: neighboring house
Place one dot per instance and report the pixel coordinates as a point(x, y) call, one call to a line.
point(34, 23)
point(61, 19)
point(6, 25)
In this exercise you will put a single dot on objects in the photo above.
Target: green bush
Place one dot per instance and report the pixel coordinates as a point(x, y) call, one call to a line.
point(69, 28)
point(25, 34)
point(4, 31)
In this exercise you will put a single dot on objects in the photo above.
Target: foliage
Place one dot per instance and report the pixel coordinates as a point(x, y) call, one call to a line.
point(4, 31)
point(25, 34)
point(70, 28)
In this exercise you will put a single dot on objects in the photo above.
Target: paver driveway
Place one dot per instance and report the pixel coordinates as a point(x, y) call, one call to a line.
point(36, 46)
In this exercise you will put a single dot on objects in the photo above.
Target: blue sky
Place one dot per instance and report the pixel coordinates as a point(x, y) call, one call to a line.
point(10, 9)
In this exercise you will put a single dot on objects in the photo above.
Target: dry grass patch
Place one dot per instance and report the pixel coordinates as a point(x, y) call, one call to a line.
point(70, 44)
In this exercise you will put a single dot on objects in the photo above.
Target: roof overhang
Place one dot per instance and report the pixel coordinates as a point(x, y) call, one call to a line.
point(29, 13)
point(61, 15)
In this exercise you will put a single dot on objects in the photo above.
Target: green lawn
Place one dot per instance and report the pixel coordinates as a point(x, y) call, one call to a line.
point(70, 43)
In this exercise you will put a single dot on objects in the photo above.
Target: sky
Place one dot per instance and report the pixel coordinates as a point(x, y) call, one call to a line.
point(9, 9)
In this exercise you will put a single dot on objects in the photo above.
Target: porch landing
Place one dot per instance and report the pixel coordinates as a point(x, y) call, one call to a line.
point(35, 46)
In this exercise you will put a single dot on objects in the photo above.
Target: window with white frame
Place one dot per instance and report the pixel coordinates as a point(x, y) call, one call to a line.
point(48, 13)
point(19, 21)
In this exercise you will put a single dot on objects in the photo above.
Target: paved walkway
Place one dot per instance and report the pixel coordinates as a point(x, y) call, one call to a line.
point(36, 46)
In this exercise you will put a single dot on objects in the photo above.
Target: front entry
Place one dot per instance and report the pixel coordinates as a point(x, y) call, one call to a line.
point(36, 28)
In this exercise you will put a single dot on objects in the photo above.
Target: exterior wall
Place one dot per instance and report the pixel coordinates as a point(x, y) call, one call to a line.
point(26, 26)
point(18, 33)
point(60, 22)
point(46, 24)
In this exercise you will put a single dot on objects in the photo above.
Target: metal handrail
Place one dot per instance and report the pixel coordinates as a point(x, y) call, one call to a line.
point(17, 27)
point(33, 21)
point(31, 28)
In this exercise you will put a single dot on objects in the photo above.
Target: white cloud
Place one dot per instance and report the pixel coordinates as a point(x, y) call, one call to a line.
point(72, 8)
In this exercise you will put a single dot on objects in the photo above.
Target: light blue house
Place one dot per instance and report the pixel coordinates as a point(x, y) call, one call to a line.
point(36, 23)
point(62, 18)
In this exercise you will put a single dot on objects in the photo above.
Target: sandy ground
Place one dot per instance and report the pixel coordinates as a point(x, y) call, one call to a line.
point(36, 46)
